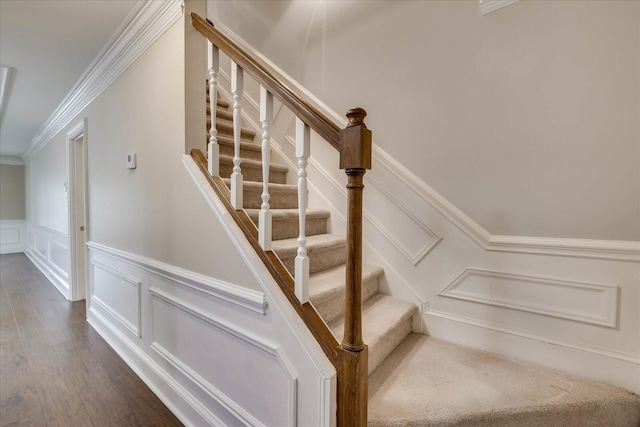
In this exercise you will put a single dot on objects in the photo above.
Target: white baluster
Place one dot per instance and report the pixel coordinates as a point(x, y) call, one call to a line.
point(213, 148)
point(264, 219)
point(236, 176)
point(302, 260)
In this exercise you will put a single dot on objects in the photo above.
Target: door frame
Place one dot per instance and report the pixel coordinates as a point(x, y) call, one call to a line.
point(78, 288)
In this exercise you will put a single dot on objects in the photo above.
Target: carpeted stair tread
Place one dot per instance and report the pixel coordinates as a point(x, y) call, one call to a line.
point(429, 382)
point(285, 223)
point(283, 196)
point(252, 170)
point(220, 102)
point(221, 113)
point(386, 322)
point(324, 251)
point(327, 289)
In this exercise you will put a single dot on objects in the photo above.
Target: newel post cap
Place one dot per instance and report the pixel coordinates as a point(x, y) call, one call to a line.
point(355, 141)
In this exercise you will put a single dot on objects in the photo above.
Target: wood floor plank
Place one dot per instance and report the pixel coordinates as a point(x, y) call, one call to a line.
point(55, 369)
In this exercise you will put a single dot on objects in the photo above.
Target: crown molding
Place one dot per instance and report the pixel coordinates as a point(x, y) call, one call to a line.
point(11, 160)
point(488, 6)
point(148, 20)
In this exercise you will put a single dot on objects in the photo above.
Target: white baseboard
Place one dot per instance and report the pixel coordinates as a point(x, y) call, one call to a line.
point(12, 236)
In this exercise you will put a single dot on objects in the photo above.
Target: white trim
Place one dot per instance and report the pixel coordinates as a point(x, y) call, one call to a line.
point(11, 160)
point(488, 6)
point(136, 330)
point(579, 248)
point(243, 297)
point(567, 247)
point(605, 315)
point(241, 414)
point(15, 245)
point(141, 28)
point(79, 130)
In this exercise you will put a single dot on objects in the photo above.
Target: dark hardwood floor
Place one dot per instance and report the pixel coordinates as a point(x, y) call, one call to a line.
point(55, 370)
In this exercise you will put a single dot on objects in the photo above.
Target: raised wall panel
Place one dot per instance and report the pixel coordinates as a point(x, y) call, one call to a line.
point(208, 351)
point(119, 295)
point(584, 302)
point(59, 255)
point(12, 236)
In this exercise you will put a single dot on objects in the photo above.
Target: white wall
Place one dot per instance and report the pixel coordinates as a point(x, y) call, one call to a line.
point(526, 118)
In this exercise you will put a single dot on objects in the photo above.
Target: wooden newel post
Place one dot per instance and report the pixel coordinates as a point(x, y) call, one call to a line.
point(355, 158)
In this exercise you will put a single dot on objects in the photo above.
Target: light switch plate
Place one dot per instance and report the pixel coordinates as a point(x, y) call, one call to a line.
point(131, 161)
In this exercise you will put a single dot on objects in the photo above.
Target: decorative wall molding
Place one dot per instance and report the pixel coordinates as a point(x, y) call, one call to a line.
point(238, 295)
point(48, 249)
point(141, 28)
point(583, 302)
point(135, 329)
point(12, 236)
point(488, 6)
point(15, 160)
point(271, 349)
point(578, 248)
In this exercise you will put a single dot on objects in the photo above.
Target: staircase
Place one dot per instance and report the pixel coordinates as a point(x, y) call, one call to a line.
point(415, 380)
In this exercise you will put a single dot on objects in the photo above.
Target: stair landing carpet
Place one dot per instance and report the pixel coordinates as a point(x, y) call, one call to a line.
point(429, 382)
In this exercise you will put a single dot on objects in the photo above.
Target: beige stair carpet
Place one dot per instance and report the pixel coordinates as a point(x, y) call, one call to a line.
point(429, 382)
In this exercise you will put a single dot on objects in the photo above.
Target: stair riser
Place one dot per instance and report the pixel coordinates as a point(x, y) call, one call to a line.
point(286, 229)
point(279, 199)
point(333, 308)
point(379, 350)
point(221, 114)
point(220, 103)
point(227, 149)
point(319, 259)
point(251, 172)
point(226, 128)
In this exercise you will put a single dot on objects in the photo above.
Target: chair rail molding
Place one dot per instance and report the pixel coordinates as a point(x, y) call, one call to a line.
point(141, 28)
point(243, 297)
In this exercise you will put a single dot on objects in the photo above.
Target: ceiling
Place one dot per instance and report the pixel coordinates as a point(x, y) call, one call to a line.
point(48, 44)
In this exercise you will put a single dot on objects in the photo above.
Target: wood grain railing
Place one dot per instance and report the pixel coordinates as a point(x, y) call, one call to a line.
point(350, 357)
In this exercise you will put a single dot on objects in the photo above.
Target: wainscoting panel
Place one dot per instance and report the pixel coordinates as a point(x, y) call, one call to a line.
point(48, 249)
point(216, 353)
point(584, 302)
point(119, 295)
point(12, 236)
point(191, 340)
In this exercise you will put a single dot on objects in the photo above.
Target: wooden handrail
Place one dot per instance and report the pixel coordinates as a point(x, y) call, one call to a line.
point(350, 358)
point(301, 108)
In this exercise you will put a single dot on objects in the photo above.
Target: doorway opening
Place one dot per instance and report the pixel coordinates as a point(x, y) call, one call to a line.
point(78, 210)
